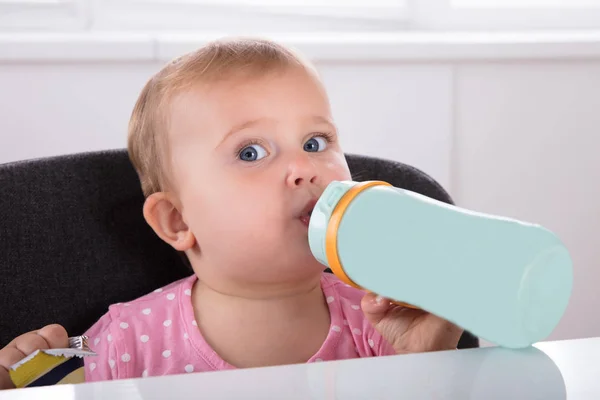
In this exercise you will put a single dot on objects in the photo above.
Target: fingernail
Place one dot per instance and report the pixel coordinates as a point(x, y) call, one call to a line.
point(378, 300)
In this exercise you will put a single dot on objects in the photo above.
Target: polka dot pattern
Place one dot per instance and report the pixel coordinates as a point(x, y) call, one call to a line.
point(158, 335)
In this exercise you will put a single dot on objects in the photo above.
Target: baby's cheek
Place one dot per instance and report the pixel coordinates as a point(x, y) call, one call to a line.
point(336, 169)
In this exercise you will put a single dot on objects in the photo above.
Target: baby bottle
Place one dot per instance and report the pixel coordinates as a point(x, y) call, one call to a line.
point(504, 280)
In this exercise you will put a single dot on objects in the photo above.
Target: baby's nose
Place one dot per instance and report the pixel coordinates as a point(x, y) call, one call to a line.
point(302, 171)
point(299, 181)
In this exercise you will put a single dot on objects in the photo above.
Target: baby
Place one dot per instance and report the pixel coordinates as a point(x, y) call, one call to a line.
point(233, 144)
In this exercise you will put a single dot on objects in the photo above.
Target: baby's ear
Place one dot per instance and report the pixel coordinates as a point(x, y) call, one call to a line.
point(162, 214)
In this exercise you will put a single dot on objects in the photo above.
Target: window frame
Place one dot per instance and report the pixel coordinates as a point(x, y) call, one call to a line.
point(210, 16)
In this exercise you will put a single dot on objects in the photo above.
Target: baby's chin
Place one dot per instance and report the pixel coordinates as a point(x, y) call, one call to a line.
point(271, 260)
point(300, 270)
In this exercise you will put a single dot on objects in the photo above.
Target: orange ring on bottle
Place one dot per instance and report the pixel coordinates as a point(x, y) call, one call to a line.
point(331, 250)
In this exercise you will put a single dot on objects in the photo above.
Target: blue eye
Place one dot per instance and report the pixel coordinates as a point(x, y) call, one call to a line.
point(252, 153)
point(315, 144)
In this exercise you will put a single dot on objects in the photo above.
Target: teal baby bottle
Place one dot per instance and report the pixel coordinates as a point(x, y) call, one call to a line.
point(506, 281)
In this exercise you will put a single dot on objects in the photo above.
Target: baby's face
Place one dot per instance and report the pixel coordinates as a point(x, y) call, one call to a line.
point(250, 158)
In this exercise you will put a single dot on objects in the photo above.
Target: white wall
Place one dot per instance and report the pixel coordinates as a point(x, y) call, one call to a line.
point(526, 145)
point(516, 136)
point(56, 108)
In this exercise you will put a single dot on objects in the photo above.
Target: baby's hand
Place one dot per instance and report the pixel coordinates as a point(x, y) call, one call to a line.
point(409, 330)
point(49, 337)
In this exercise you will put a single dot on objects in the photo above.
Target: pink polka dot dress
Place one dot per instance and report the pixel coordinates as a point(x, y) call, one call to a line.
point(158, 335)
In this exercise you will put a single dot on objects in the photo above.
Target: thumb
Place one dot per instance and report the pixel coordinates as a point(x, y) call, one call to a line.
point(375, 308)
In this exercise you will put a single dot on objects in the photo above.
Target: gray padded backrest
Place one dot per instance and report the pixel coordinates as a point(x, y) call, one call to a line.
point(73, 239)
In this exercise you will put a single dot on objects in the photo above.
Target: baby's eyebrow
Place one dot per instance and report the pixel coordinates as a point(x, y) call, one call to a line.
point(242, 126)
point(320, 119)
point(245, 125)
point(323, 120)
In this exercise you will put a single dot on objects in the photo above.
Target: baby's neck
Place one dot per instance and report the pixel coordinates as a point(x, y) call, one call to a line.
point(284, 327)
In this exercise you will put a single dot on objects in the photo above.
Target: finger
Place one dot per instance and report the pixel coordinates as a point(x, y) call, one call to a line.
point(27, 344)
point(5, 381)
point(10, 356)
point(12, 342)
point(442, 334)
point(51, 336)
point(11, 348)
point(375, 307)
point(403, 304)
point(55, 336)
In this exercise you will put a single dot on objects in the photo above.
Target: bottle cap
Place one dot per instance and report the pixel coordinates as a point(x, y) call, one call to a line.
point(319, 219)
point(328, 213)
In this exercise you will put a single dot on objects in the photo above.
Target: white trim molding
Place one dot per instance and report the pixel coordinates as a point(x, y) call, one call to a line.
point(243, 17)
point(278, 16)
point(369, 47)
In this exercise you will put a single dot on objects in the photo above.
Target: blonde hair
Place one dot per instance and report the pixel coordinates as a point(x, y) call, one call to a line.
point(215, 61)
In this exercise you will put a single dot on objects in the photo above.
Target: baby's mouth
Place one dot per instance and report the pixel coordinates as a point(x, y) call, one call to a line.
point(307, 212)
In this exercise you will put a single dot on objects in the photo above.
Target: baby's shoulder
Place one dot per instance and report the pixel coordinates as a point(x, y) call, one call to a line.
point(134, 335)
point(159, 301)
point(333, 287)
point(152, 311)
